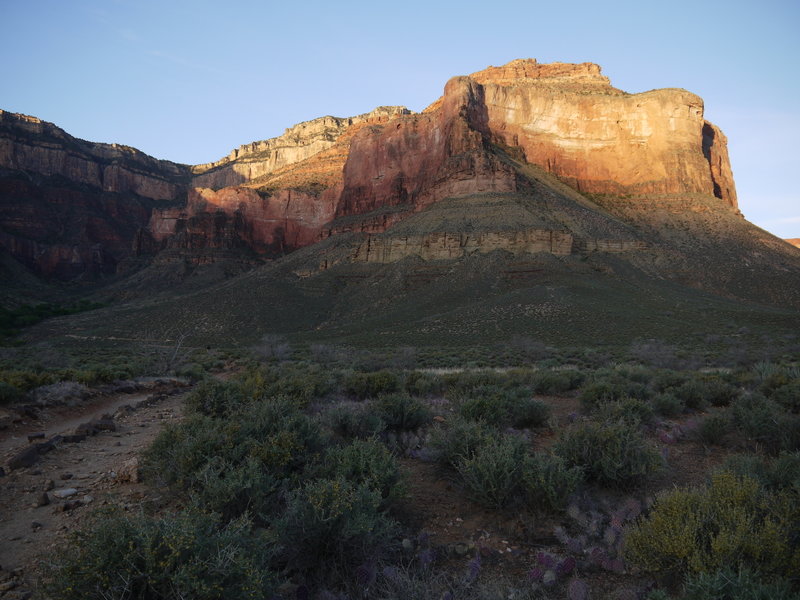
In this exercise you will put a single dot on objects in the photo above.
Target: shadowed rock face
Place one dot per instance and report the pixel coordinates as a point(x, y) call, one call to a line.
point(94, 204)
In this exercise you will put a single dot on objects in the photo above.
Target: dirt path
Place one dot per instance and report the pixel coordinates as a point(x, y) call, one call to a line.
point(33, 518)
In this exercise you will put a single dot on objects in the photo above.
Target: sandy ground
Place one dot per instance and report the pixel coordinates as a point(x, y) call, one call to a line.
point(98, 469)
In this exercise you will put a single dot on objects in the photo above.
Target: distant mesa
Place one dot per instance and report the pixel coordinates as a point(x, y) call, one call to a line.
point(524, 158)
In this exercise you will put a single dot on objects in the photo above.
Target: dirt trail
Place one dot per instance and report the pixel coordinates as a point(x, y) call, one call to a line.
point(96, 469)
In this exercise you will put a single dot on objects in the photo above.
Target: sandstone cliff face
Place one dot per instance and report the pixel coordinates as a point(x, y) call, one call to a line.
point(29, 144)
point(367, 174)
point(298, 143)
point(419, 159)
point(236, 216)
point(570, 121)
point(71, 208)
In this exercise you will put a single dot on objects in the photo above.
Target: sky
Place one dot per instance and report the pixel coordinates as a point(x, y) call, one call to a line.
point(188, 81)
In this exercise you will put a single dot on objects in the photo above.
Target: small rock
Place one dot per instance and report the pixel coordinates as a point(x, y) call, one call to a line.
point(439, 419)
point(36, 525)
point(65, 492)
point(66, 476)
point(49, 485)
point(460, 549)
point(41, 500)
point(87, 500)
point(128, 471)
point(407, 544)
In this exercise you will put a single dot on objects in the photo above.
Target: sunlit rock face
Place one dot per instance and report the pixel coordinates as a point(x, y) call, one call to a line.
point(365, 174)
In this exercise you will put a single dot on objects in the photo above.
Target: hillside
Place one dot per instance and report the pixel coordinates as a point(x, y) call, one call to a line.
point(529, 199)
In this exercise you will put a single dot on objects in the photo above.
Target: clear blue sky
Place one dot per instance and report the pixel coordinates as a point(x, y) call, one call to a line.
point(190, 80)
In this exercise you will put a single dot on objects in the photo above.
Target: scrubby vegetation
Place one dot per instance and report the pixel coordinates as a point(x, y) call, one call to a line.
point(295, 479)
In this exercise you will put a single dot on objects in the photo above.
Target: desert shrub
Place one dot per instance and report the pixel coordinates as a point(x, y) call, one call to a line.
point(492, 476)
point(713, 429)
point(300, 381)
point(401, 412)
point(530, 413)
point(9, 393)
point(556, 382)
point(667, 405)
point(460, 439)
point(732, 520)
point(630, 410)
point(364, 462)
point(371, 385)
point(609, 389)
point(464, 382)
point(548, 481)
point(780, 473)
point(763, 421)
point(788, 396)
point(332, 525)
point(727, 584)
point(666, 379)
point(609, 453)
point(354, 421)
point(424, 385)
point(25, 380)
point(503, 406)
point(700, 391)
point(187, 555)
point(192, 372)
point(249, 456)
point(215, 399)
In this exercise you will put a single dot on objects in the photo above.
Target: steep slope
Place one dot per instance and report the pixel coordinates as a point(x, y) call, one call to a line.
point(72, 208)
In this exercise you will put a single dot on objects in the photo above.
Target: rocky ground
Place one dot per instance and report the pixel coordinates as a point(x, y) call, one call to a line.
point(58, 481)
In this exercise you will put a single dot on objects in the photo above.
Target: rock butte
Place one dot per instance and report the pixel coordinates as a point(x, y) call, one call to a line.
point(364, 174)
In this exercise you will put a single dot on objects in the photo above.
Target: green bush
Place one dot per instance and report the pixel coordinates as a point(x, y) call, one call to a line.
point(702, 390)
point(733, 520)
point(354, 421)
point(781, 473)
point(556, 382)
point(239, 463)
point(548, 481)
point(464, 382)
point(727, 584)
point(298, 381)
point(365, 462)
point(215, 399)
point(629, 410)
point(529, 413)
point(187, 555)
point(608, 389)
point(713, 429)
point(401, 412)
point(330, 526)
point(764, 421)
point(667, 405)
point(9, 393)
point(503, 406)
point(371, 385)
point(493, 475)
point(460, 439)
point(424, 385)
point(609, 453)
point(788, 396)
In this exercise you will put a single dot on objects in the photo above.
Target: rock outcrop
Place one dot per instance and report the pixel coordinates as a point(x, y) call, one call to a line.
point(304, 140)
point(487, 135)
point(71, 208)
point(794, 242)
